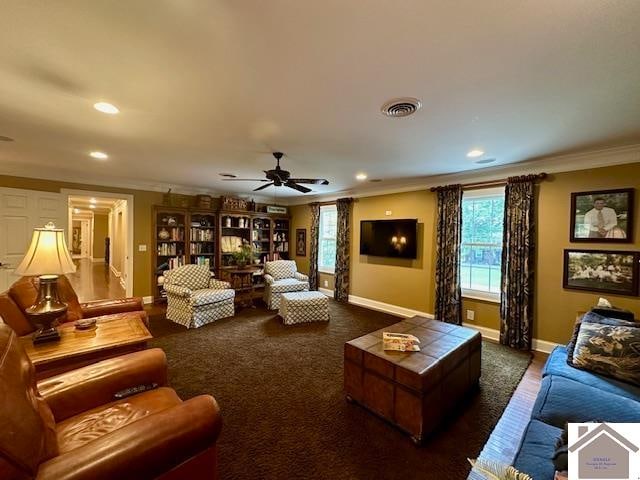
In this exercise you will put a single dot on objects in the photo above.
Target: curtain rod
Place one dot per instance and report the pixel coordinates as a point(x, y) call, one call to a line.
point(493, 183)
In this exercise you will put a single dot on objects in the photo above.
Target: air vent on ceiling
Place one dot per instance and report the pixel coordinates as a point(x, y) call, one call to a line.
point(401, 107)
point(5, 139)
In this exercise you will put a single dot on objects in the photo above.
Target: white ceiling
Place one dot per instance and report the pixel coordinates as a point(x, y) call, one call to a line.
point(84, 203)
point(209, 86)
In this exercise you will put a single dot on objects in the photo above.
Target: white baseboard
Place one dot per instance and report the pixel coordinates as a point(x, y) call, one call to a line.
point(114, 271)
point(387, 307)
point(493, 334)
point(147, 300)
point(488, 333)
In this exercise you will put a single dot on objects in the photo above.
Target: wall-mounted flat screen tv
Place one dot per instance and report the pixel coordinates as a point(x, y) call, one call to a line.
point(389, 238)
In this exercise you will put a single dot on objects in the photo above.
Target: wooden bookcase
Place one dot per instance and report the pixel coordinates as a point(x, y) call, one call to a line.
point(169, 247)
point(208, 237)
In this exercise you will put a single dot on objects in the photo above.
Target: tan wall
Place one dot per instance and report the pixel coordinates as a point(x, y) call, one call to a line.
point(143, 202)
point(410, 284)
point(100, 232)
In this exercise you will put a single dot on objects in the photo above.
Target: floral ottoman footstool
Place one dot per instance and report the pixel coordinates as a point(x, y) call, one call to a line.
point(302, 307)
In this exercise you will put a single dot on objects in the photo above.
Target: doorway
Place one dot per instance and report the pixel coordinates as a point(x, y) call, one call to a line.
point(102, 244)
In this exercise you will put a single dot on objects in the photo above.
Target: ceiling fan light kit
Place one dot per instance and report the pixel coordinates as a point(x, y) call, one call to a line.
point(278, 177)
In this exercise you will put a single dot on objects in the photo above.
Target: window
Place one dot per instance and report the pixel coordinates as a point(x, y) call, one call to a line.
point(327, 239)
point(481, 249)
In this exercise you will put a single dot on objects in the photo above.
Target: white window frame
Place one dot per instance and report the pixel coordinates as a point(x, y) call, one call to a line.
point(326, 268)
point(469, 292)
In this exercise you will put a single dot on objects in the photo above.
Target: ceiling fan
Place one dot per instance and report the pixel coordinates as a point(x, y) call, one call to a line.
point(279, 177)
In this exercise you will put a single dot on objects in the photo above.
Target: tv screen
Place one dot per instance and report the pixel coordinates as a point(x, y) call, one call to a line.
point(389, 238)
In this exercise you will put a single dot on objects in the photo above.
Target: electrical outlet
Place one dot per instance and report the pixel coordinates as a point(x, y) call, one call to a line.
point(471, 315)
point(142, 248)
point(325, 283)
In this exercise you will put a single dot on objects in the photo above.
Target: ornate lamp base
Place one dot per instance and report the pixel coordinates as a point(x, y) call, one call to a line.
point(46, 310)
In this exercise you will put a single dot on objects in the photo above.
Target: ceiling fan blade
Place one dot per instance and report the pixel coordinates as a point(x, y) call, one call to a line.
point(262, 187)
point(244, 180)
point(295, 186)
point(312, 181)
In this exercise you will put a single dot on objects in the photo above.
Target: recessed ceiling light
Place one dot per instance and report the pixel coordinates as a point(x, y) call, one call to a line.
point(99, 155)
point(484, 161)
point(475, 153)
point(105, 107)
point(92, 206)
point(5, 139)
point(93, 200)
point(361, 176)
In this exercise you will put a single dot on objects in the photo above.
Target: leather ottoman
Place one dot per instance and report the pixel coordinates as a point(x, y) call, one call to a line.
point(413, 390)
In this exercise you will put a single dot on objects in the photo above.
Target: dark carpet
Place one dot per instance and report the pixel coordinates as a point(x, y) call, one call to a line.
point(285, 417)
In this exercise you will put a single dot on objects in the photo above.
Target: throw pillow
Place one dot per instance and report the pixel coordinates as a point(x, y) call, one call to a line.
point(593, 317)
point(610, 350)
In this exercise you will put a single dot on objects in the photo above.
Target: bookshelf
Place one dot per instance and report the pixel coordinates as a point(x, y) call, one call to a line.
point(169, 243)
point(207, 237)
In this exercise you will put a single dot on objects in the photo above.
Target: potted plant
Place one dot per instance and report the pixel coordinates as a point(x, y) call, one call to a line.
point(244, 255)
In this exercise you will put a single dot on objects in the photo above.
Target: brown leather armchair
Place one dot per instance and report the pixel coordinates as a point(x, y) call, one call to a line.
point(70, 427)
point(23, 293)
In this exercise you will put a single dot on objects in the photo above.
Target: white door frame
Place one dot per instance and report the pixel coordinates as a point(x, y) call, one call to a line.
point(67, 192)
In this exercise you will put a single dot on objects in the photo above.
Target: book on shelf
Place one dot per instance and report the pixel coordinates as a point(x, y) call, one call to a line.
point(171, 235)
point(203, 261)
point(169, 249)
point(202, 234)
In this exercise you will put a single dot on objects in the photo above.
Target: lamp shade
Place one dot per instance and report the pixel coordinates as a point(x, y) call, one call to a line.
point(47, 254)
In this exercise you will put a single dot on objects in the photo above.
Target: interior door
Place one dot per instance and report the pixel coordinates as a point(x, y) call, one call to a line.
point(20, 212)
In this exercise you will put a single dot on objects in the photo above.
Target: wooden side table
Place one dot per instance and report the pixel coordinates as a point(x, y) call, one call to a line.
point(77, 348)
point(241, 280)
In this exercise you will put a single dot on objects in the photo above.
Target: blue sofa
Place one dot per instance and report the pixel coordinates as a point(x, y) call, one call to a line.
point(570, 395)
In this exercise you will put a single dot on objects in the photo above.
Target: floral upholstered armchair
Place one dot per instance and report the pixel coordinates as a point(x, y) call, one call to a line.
point(195, 298)
point(281, 276)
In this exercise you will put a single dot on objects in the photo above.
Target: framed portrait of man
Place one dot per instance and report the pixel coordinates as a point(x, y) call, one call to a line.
point(604, 216)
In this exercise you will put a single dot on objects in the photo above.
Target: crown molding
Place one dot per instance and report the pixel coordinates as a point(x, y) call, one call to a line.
point(72, 177)
point(550, 164)
point(586, 160)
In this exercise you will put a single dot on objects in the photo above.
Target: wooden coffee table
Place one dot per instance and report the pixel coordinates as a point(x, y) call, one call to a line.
point(110, 337)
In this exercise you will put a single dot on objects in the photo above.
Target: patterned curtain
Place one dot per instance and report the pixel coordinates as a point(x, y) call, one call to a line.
point(518, 251)
point(343, 245)
point(448, 238)
point(313, 245)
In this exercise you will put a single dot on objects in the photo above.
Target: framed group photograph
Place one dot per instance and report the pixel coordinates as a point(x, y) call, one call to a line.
point(606, 271)
point(604, 216)
point(301, 242)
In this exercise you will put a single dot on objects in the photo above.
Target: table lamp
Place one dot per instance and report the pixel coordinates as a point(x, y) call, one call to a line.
point(47, 257)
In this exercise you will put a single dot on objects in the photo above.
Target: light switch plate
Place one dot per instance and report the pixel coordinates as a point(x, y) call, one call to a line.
point(142, 248)
point(325, 283)
point(471, 315)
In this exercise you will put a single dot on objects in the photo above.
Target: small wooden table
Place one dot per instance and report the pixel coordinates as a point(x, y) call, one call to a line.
point(77, 348)
point(241, 280)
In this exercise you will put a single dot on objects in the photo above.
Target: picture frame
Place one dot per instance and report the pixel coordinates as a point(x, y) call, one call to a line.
point(604, 271)
point(301, 242)
point(602, 216)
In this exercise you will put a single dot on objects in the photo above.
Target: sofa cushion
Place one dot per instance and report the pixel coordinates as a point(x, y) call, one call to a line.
point(535, 456)
point(609, 350)
point(563, 400)
point(557, 365)
point(280, 269)
point(289, 285)
point(209, 296)
point(595, 317)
